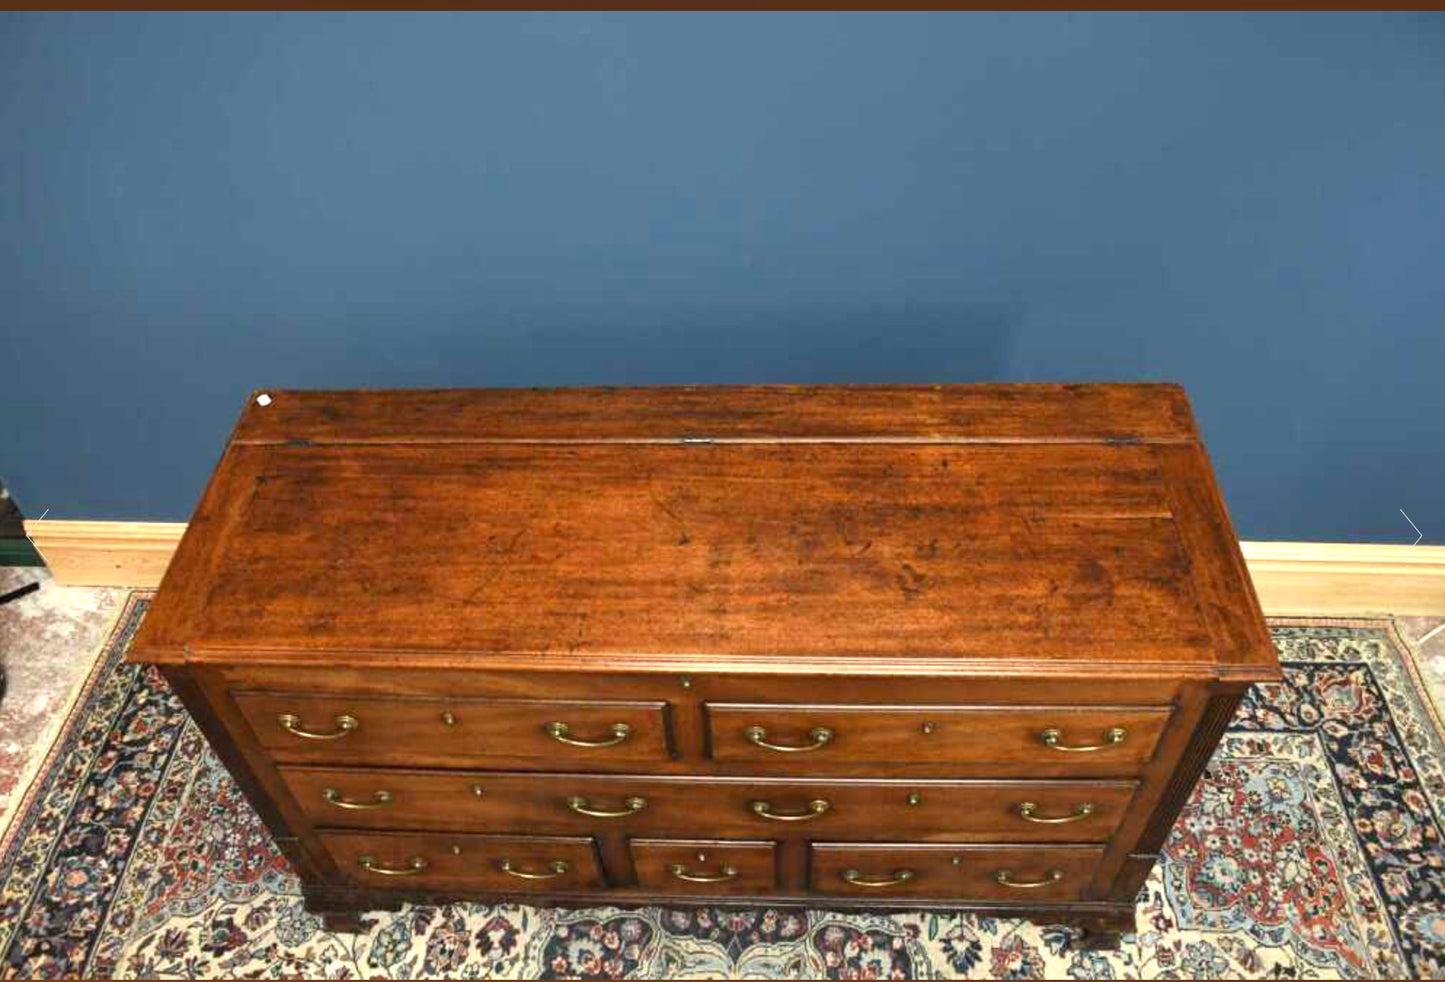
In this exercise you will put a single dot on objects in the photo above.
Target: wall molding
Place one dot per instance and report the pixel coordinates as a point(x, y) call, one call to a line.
point(1336, 578)
point(133, 554)
point(1349, 578)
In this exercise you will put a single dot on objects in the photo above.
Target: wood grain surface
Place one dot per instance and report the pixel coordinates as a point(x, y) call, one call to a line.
point(1033, 523)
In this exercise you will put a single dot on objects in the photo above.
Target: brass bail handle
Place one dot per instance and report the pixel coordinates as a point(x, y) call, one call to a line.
point(333, 797)
point(555, 869)
point(819, 737)
point(859, 880)
point(1005, 878)
point(291, 723)
point(1052, 738)
point(723, 874)
point(562, 733)
point(816, 808)
point(417, 865)
point(630, 806)
point(1028, 811)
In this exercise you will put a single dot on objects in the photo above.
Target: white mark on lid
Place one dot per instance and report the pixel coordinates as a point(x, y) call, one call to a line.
point(263, 400)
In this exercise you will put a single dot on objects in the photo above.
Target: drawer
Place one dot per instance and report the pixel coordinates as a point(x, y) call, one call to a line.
point(971, 872)
point(1116, 739)
point(989, 811)
point(704, 866)
point(407, 860)
point(447, 732)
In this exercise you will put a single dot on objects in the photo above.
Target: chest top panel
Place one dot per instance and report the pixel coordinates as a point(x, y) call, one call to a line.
point(936, 528)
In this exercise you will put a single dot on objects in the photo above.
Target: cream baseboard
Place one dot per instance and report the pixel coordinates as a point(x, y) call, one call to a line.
point(1338, 578)
point(1347, 578)
point(133, 554)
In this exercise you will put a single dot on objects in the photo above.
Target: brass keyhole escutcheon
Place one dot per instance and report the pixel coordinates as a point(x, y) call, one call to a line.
point(449, 718)
point(928, 728)
point(914, 798)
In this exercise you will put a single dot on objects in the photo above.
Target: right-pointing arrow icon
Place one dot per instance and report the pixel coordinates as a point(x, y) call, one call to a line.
point(1418, 534)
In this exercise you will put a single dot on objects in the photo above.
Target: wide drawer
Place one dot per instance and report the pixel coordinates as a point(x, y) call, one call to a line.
point(1116, 739)
point(704, 866)
point(447, 732)
point(972, 872)
point(961, 810)
point(466, 862)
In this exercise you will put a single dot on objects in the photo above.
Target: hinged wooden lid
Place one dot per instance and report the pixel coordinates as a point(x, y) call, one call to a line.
point(956, 529)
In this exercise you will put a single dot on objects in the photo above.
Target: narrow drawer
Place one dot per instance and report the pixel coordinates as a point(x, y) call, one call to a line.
point(447, 732)
point(407, 860)
point(1117, 739)
point(708, 867)
point(986, 811)
point(964, 872)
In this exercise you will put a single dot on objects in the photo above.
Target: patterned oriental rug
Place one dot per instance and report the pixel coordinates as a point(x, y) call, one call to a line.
point(1311, 849)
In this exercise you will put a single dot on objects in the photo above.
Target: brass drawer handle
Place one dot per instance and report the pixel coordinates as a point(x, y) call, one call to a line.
point(557, 868)
point(1051, 738)
point(815, 808)
point(1028, 812)
point(820, 735)
point(332, 796)
point(292, 725)
point(417, 865)
point(561, 732)
point(724, 873)
point(630, 806)
point(859, 880)
point(1005, 877)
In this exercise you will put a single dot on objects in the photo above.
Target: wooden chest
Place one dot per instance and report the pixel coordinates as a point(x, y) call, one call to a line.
point(878, 647)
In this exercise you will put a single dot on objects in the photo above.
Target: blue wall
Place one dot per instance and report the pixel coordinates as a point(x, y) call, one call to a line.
point(193, 205)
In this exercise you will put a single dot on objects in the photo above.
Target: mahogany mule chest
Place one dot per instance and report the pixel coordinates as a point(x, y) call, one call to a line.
point(876, 647)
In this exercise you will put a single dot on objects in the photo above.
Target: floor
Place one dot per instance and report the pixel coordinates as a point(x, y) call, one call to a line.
point(1427, 635)
point(49, 641)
